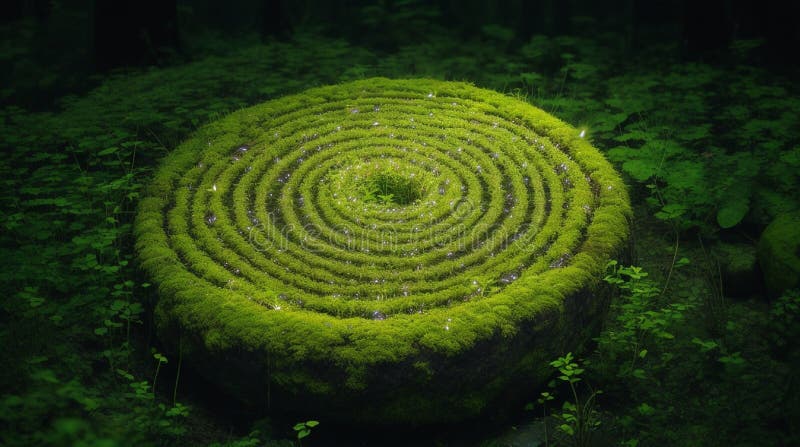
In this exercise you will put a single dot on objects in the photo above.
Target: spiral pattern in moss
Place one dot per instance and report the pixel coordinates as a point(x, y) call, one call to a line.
point(373, 223)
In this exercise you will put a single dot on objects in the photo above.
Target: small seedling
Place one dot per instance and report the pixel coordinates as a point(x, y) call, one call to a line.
point(303, 429)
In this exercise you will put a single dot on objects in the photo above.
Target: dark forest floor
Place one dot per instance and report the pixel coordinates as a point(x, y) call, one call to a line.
point(693, 353)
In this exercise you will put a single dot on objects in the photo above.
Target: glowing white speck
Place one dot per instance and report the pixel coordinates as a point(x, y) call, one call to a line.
point(583, 133)
point(431, 95)
point(214, 187)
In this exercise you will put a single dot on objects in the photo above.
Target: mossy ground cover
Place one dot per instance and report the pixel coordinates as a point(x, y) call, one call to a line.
point(710, 153)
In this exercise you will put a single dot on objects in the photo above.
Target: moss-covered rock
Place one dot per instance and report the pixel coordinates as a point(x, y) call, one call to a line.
point(779, 253)
point(383, 250)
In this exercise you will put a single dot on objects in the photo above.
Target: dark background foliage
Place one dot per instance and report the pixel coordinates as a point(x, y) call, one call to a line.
point(696, 102)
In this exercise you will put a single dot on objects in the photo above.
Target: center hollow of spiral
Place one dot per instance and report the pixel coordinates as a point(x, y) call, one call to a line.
point(390, 187)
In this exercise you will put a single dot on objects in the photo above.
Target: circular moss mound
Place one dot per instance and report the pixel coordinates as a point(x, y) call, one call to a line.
point(383, 250)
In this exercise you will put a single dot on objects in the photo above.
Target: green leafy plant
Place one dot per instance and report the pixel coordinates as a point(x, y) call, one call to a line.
point(578, 416)
point(386, 188)
point(303, 429)
point(643, 328)
point(639, 322)
point(695, 176)
point(160, 359)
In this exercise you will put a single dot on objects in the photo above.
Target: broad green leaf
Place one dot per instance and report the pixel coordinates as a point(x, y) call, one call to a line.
point(108, 151)
point(645, 409)
point(566, 429)
point(732, 212)
point(671, 211)
point(636, 135)
point(686, 175)
point(693, 133)
point(641, 169)
point(45, 375)
point(607, 122)
point(531, 78)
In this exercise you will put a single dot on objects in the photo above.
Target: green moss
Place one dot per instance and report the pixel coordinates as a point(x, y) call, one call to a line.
point(779, 253)
point(265, 250)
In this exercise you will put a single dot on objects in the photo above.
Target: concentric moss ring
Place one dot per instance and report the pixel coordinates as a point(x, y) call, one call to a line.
point(382, 250)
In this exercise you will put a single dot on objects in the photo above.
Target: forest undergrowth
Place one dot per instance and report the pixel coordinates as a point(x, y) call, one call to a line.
point(711, 154)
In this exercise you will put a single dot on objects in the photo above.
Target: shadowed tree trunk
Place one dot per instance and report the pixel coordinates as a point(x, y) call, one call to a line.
point(705, 28)
point(562, 11)
point(12, 10)
point(275, 21)
point(773, 20)
point(133, 33)
point(530, 19)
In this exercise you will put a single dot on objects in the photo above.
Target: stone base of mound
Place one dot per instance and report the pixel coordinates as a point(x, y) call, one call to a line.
point(495, 377)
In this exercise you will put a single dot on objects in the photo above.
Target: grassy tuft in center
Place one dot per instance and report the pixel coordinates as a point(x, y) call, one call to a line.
point(391, 187)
